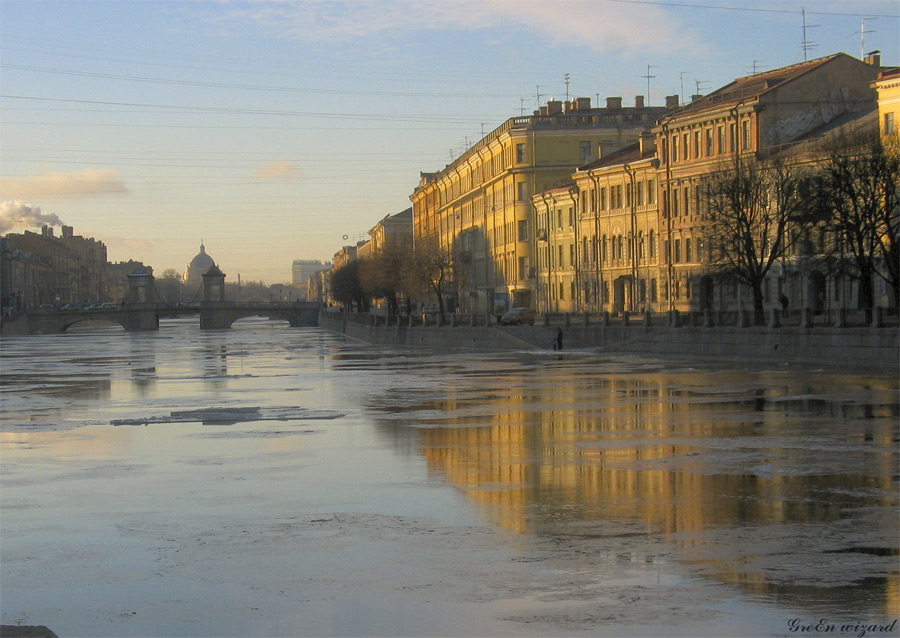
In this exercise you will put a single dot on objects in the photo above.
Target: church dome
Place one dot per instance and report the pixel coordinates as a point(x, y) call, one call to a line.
point(198, 266)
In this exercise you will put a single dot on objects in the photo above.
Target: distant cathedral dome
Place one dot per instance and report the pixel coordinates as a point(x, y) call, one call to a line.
point(198, 266)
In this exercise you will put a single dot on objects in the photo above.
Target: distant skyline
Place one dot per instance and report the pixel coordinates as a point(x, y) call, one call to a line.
point(272, 130)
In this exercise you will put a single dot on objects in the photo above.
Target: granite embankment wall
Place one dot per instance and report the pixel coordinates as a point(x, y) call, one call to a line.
point(850, 346)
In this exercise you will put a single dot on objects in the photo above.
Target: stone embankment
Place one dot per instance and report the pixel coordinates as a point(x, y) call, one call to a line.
point(839, 338)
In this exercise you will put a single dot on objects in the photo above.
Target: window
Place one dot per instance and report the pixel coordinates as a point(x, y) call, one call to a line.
point(674, 148)
point(665, 208)
point(665, 151)
point(745, 135)
point(675, 199)
point(720, 140)
point(889, 127)
point(571, 216)
point(640, 193)
point(709, 142)
point(666, 251)
point(697, 199)
point(523, 230)
point(640, 245)
point(677, 251)
point(699, 250)
point(562, 290)
point(523, 267)
point(584, 151)
point(560, 263)
point(696, 144)
point(603, 198)
point(687, 200)
point(653, 290)
point(572, 290)
point(685, 139)
point(520, 153)
point(732, 137)
point(687, 250)
point(643, 288)
point(651, 192)
point(629, 190)
point(651, 242)
point(522, 192)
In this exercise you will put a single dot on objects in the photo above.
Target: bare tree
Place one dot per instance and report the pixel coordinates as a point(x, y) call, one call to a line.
point(758, 212)
point(382, 274)
point(431, 271)
point(861, 179)
point(347, 288)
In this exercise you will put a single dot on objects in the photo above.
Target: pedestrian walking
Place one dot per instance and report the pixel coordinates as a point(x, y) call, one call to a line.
point(558, 340)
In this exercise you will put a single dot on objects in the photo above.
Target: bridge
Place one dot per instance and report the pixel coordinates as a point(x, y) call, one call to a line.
point(135, 317)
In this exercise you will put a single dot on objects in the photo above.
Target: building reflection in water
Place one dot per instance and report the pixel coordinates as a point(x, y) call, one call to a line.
point(735, 473)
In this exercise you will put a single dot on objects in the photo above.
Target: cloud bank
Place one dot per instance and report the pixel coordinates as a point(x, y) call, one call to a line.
point(15, 214)
point(77, 185)
point(601, 26)
point(276, 170)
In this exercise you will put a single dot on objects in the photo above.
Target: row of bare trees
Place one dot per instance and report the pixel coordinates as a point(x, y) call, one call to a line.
point(394, 273)
point(763, 212)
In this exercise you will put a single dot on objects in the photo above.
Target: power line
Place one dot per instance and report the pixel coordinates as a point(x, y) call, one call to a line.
point(687, 5)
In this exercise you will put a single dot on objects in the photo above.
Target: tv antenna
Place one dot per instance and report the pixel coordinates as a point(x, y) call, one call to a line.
point(806, 44)
point(648, 76)
point(683, 73)
point(697, 84)
point(537, 95)
point(756, 67)
point(566, 78)
point(862, 35)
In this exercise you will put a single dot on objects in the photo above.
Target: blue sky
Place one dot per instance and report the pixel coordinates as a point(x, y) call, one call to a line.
point(270, 130)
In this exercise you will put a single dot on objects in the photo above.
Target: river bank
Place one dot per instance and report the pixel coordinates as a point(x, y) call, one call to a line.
point(870, 347)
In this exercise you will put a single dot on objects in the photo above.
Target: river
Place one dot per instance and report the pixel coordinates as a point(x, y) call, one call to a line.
point(269, 481)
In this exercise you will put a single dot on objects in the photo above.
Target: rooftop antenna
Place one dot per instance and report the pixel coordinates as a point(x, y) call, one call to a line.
point(806, 44)
point(538, 95)
point(521, 106)
point(683, 73)
point(862, 33)
point(566, 78)
point(756, 66)
point(648, 76)
point(697, 83)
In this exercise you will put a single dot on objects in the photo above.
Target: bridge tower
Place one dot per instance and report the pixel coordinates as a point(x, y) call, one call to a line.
point(140, 287)
point(214, 284)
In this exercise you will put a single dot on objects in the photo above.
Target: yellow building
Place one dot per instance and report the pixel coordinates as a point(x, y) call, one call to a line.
point(756, 116)
point(555, 253)
point(887, 86)
point(618, 230)
point(479, 209)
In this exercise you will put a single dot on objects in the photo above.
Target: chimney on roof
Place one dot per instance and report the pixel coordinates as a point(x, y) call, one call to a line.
point(582, 104)
point(67, 232)
point(696, 97)
point(47, 231)
point(554, 107)
point(638, 101)
point(873, 58)
point(613, 103)
point(647, 142)
point(671, 101)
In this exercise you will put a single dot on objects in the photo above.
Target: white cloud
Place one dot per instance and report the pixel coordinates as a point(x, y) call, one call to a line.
point(77, 185)
point(602, 26)
point(276, 170)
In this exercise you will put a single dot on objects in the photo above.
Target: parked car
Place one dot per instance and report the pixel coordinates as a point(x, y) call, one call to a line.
point(518, 316)
point(108, 306)
point(71, 306)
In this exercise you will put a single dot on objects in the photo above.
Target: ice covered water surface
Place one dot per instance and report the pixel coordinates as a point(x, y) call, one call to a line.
point(274, 481)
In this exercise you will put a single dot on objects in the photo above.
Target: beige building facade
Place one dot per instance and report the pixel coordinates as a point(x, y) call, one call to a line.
point(479, 210)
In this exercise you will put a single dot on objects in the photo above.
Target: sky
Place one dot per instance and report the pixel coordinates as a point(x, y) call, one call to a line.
point(278, 130)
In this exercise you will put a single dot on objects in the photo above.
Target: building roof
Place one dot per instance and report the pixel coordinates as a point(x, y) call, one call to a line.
point(753, 86)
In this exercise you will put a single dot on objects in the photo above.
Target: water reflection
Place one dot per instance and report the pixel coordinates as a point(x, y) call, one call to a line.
point(734, 471)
